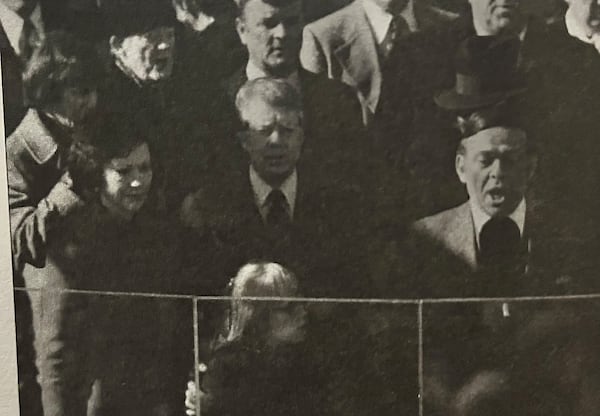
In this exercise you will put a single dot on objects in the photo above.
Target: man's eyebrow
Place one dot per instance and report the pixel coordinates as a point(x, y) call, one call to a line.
point(263, 125)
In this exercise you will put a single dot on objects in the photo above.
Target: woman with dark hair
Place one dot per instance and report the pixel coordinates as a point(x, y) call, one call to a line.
point(117, 241)
point(261, 365)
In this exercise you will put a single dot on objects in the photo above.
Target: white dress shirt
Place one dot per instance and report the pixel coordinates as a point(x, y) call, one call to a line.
point(480, 217)
point(13, 24)
point(262, 190)
point(584, 34)
point(254, 72)
point(380, 19)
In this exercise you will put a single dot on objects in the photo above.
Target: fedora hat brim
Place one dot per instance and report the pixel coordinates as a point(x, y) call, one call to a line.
point(451, 100)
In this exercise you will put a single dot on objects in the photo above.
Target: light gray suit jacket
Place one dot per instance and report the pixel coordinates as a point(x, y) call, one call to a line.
point(343, 46)
point(454, 230)
point(448, 246)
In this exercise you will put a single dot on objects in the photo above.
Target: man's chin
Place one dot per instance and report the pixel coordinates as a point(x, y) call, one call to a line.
point(282, 66)
point(157, 75)
point(500, 209)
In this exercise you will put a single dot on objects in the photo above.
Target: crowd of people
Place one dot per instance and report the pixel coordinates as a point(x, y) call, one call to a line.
point(388, 149)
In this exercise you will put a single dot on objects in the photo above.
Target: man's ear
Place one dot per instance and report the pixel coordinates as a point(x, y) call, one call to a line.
point(459, 165)
point(115, 44)
point(240, 28)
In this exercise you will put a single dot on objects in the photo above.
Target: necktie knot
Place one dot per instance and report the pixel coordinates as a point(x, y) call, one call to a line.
point(500, 244)
point(397, 28)
point(278, 208)
point(30, 39)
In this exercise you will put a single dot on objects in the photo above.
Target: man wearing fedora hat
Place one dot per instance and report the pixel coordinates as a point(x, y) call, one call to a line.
point(498, 243)
point(495, 161)
point(408, 121)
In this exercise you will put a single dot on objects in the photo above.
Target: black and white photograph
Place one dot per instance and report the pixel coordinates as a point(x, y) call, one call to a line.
point(302, 207)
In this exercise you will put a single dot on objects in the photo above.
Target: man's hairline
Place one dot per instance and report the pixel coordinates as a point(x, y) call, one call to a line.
point(241, 10)
point(461, 148)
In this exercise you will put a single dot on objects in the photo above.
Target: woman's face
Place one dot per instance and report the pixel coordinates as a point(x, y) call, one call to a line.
point(127, 182)
point(288, 323)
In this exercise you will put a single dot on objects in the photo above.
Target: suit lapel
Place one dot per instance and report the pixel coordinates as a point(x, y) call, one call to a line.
point(252, 215)
point(461, 237)
point(359, 59)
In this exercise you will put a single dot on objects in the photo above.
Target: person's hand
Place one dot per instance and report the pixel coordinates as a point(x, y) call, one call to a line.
point(190, 399)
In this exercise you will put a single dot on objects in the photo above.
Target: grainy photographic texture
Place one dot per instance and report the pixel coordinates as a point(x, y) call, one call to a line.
point(302, 207)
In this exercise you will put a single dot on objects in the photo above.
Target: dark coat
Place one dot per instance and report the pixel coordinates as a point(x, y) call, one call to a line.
point(181, 142)
point(242, 380)
point(122, 343)
point(203, 60)
point(324, 248)
point(560, 104)
point(337, 149)
point(38, 198)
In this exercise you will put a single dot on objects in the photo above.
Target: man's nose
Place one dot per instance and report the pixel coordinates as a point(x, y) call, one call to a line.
point(497, 169)
point(276, 137)
point(280, 31)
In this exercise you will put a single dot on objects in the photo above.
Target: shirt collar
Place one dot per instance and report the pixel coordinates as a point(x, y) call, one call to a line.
point(262, 189)
point(576, 30)
point(254, 72)
point(13, 24)
point(380, 19)
point(480, 217)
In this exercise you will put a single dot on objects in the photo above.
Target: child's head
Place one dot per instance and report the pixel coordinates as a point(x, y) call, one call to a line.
point(265, 321)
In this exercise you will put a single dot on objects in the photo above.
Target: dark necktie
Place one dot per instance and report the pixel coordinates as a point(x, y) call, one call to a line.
point(278, 210)
point(500, 247)
point(29, 40)
point(398, 28)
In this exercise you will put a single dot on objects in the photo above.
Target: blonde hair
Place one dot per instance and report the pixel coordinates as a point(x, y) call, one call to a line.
point(248, 318)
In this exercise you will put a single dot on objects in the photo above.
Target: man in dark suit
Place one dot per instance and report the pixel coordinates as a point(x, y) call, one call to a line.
point(353, 44)
point(337, 148)
point(276, 209)
point(271, 30)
